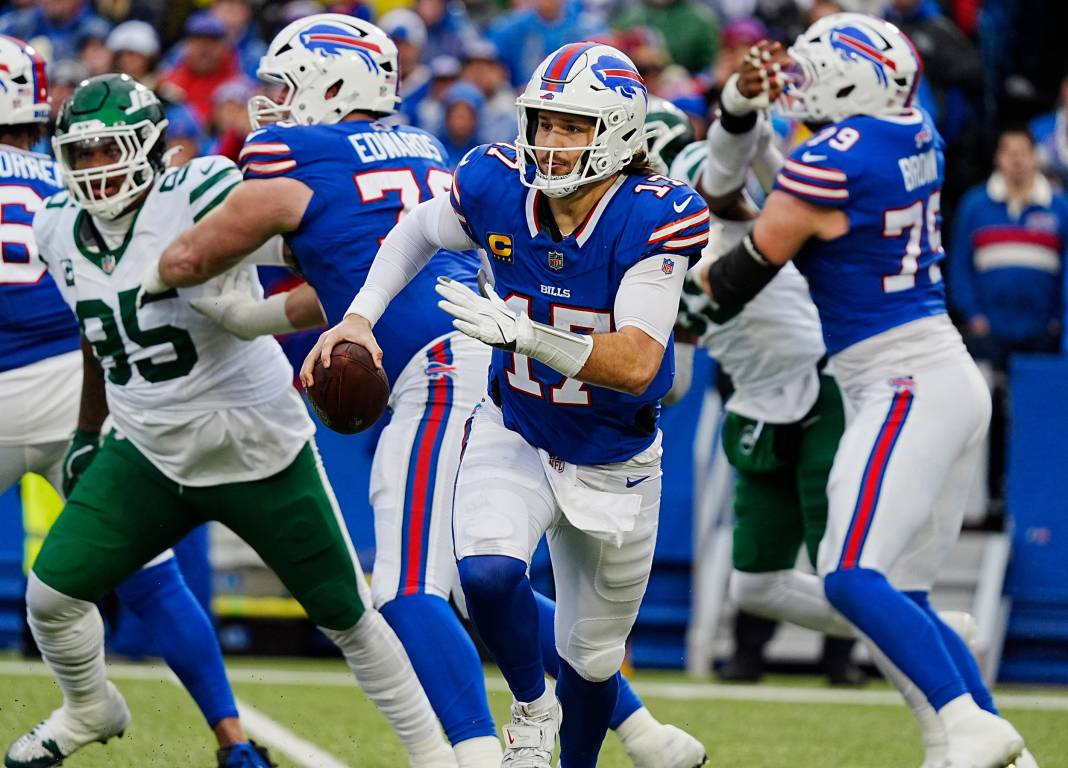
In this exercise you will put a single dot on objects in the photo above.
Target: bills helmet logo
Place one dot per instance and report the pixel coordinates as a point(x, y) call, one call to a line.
point(853, 44)
point(330, 40)
point(619, 76)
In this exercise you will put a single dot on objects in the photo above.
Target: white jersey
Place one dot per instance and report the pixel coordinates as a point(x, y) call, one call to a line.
point(770, 349)
point(203, 405)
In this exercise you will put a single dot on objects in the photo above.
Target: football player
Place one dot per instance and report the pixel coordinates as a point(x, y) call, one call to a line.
point(771, 349)
point(208, 427)
point(40, 378)
point(588, 248)
point(335, 182)
point(857, 206)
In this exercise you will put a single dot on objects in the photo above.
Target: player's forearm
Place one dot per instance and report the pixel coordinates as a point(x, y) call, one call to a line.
point(626, 361)
point(250, 216)
point(430, 227)
point(302, 308)
point(183, 265)
point(93, 409)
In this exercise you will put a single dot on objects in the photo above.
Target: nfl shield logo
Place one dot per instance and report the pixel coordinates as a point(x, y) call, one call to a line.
point(557, 463)
point(556, 260)
point(108, 263)
point(668, 266)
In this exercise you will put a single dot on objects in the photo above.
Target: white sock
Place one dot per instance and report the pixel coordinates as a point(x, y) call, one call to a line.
point(479, 752)
point(543, 703)
point(932, 731)
point(639, 722)
point(70, 635)
point(961, 708)
point(790, 596)
point(384, 672)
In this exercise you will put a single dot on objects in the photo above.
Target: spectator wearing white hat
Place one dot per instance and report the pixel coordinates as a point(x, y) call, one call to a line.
point(135, 48)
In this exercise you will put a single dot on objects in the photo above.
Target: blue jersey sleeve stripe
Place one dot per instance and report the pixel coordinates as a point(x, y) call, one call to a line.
point(268, 169)
point(814, 173)
point(667, 230)
point(274, 148)
point(802, 189)
point(698, 241)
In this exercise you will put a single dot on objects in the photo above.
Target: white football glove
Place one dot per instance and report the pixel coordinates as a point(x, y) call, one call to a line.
point(151, 284)
point(242, 313)
point(487, 318)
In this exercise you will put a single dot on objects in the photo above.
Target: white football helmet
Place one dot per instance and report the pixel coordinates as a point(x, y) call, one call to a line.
point(587, 79)
point(23, 86)
point(315, 53)
point(850, 64)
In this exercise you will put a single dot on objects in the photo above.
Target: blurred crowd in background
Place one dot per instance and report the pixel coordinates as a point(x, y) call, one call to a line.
point(995, 82)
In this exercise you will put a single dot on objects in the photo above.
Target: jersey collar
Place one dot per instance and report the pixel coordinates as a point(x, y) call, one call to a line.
point(585, 231)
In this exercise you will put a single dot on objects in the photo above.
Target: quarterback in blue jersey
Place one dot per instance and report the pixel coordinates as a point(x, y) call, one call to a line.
point(40, 382)
point(335, 182)
point(857, 209)
point(586, 249)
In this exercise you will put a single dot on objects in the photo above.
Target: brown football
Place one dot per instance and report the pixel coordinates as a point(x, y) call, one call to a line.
point(351, 394)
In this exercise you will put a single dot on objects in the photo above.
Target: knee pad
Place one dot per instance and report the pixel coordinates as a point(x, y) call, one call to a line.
point(595, 648)
point(485, 577)
point(46, 605)
point(758, 593)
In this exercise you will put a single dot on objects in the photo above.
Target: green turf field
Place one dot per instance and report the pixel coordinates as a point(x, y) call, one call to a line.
point(743, 726)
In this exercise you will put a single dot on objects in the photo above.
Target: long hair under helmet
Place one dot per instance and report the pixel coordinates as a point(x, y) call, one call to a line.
point(850, 64)
point(591, 80)
point(311, 56)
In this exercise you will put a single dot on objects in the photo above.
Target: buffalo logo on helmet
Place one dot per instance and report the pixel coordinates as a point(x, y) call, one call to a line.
point(556, 260)
point(851, 43)
point(334, 41)
point(620, 77)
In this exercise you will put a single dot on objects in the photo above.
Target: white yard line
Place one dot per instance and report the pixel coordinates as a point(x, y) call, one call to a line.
point(279, 738)
point(682, 691)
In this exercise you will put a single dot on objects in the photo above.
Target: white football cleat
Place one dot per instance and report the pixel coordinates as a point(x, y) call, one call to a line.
point(1026, 760)
point(665, 746)
point(983, 740)
point(63, 733)
point(436, 753)
point(530, 738)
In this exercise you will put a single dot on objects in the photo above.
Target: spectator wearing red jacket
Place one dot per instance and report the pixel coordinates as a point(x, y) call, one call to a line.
point(208, 60)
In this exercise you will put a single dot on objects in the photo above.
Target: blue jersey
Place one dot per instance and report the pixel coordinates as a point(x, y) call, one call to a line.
point(363, 176)
point(571, 283)
point(35, 322)
point(885, 174)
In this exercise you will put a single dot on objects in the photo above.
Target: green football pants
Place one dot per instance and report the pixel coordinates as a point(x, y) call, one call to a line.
point(124, 512)
point(780, 498)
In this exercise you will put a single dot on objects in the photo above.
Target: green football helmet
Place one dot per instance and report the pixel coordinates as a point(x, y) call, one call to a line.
point(116, 118)
point(667, 132)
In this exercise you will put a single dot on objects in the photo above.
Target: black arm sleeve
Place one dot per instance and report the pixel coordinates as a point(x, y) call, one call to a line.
point(738, 276)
